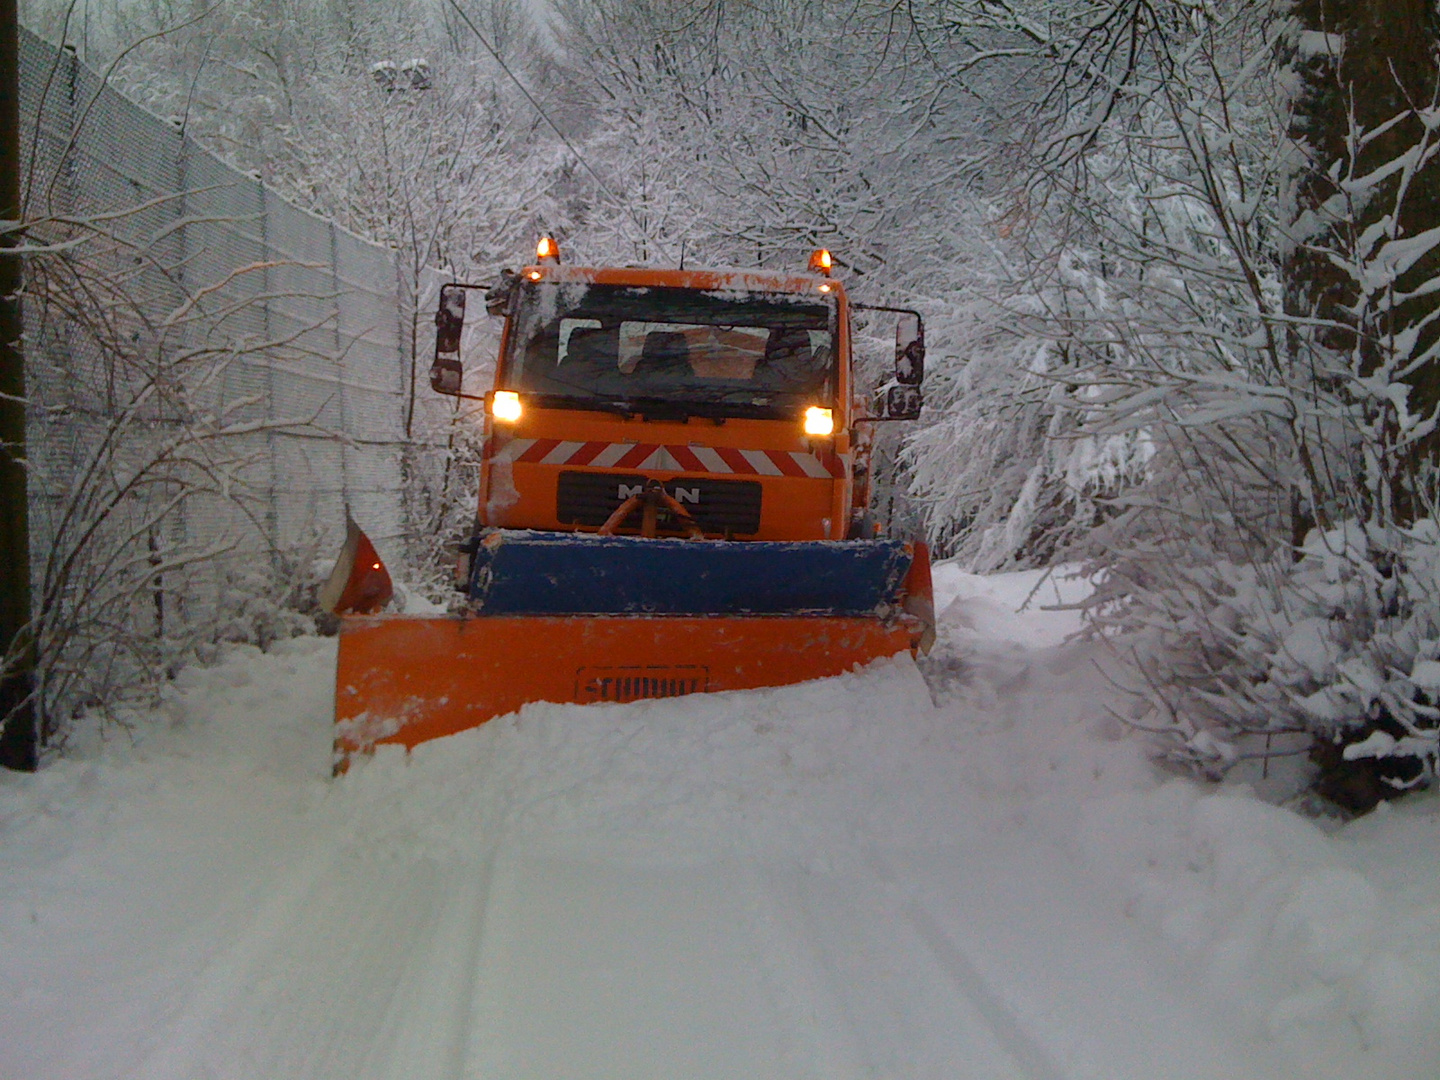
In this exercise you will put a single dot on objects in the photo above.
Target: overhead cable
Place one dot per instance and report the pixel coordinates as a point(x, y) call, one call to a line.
point(531, 98)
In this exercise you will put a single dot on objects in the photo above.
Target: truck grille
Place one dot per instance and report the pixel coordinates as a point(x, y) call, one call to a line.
point(728, 507)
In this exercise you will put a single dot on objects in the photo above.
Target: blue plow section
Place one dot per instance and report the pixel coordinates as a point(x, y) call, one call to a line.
point(519, 572)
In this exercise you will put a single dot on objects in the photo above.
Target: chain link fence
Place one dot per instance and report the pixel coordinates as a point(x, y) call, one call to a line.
point(214, 376)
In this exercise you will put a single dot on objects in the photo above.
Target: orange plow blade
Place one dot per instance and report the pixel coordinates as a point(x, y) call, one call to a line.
point(403, 679)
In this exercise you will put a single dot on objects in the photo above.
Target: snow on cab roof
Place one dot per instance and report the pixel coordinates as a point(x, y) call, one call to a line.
point(738, 280)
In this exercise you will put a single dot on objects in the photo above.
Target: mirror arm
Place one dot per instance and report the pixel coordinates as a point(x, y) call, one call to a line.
point(881, 307)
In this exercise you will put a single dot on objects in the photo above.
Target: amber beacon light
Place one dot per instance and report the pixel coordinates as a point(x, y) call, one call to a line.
point(820, 261)
point(547, 250)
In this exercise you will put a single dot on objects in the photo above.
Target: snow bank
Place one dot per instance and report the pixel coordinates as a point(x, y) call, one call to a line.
point(1303, 935)
point(1316, 938)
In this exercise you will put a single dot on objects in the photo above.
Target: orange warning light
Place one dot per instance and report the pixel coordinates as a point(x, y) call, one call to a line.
point(505, 406)
point(819, 421)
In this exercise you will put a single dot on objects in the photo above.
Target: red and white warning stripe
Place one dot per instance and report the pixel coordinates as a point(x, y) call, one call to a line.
point(670, 457)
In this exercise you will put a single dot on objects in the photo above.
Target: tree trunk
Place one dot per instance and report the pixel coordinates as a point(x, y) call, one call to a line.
point(19, 734)
point(1359, 64)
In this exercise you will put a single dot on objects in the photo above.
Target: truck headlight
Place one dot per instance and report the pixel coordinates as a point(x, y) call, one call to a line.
point(505, 406)
point(819, 421)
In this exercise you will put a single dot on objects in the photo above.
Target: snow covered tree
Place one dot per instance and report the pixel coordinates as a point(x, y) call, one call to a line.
point(1367, 77)
point(1126, 261)
point(1236, 327)
point(750, 134)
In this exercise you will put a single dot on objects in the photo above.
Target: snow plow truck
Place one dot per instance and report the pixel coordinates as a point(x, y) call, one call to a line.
point(674, 498)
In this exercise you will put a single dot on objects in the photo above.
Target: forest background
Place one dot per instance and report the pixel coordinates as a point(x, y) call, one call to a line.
point(1177, 260)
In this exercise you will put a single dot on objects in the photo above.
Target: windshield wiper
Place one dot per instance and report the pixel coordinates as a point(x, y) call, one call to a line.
point(574, 401)
point(734, 404)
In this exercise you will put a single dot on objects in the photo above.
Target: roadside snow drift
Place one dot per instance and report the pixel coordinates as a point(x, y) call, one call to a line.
point(841, 879)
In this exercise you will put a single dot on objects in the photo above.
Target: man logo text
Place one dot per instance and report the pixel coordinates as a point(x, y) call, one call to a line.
point(682, 495)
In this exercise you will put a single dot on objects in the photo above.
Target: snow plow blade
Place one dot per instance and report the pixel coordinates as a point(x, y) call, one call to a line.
point(406, 680)
point(585, 619)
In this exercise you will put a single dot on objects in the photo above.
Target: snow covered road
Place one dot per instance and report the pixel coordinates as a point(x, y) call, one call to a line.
point(834, 880)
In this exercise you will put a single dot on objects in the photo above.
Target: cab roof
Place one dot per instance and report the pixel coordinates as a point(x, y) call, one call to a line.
point(728, 280)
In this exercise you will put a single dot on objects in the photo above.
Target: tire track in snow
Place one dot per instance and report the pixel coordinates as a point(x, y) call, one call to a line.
point(223, 978)
point(355, 967)
point(425, 1036)
point(819, 1020)
point(1009, 1031)
point(1060, 973)
point(595, 965)
point(328, 985)
point(894, 989)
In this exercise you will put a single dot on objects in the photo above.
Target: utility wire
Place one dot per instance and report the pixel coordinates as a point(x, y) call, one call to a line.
point(531, 98)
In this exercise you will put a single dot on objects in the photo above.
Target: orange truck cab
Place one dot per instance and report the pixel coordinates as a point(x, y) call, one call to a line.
point(733, 390)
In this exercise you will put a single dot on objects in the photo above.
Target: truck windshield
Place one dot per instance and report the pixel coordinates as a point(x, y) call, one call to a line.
point(708, 353)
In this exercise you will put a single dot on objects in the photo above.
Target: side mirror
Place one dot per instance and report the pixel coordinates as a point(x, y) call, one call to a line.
point(909, 350)
point(446, 372)
point(901, 403)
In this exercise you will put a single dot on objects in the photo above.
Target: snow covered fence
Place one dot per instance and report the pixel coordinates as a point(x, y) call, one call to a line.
point(214, 376)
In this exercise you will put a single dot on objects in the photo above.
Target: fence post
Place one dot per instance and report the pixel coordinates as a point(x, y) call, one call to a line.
point(342, 362)
point(19, 729)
